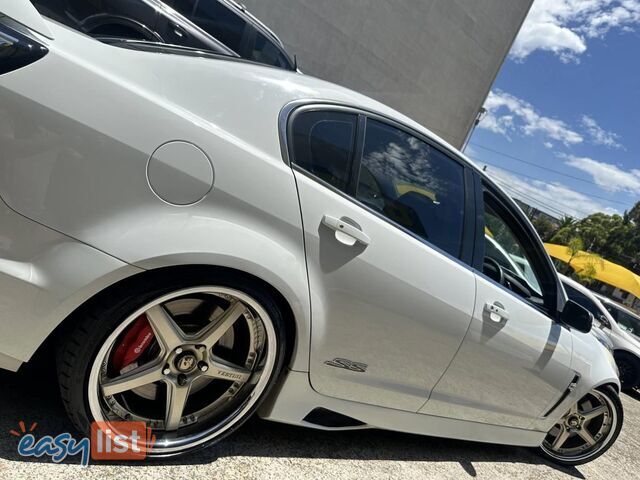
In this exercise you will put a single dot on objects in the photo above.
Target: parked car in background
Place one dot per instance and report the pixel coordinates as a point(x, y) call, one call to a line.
point(626, 347)
point(202, 238)
point(625, 318)
point(221, 26)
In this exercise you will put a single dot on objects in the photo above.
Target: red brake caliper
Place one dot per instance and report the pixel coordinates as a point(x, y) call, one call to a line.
point(133, 344)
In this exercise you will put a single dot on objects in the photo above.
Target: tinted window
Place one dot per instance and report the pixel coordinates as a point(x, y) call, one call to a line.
point(133, 19)
point(265, 51)
point(413, 184)
point(582, 300)
point(323, 144)
point(627, 322)
point(219, 21)
point(507, 254)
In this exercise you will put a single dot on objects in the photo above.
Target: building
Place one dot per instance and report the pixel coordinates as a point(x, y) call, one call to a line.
point(434, 60)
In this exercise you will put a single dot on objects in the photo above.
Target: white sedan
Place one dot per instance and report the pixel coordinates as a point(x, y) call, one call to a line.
point(204, 237)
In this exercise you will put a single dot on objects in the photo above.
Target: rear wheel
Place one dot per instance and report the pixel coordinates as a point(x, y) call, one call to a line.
point(192, 360)
point(587, 430)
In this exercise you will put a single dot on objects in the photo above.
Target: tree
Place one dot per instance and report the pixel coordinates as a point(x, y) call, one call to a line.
point(544, 227)
point(614, 237)
point(591, 261)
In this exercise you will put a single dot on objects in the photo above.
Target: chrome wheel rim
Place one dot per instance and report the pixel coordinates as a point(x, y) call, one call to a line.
point(584, 430)
point(211, 357)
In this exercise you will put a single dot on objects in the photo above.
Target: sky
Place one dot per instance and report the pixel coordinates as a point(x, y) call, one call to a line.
point(562, 128)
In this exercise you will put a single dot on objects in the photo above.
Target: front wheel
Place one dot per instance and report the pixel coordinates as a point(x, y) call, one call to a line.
point(192, 360)
point(587, 430)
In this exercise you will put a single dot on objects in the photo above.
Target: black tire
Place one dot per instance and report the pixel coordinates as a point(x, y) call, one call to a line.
point(613, 396)
point(77, 352)
point(629, 367)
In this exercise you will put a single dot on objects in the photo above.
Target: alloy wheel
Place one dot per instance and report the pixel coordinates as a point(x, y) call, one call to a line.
point(195, 362)
point(584, 430)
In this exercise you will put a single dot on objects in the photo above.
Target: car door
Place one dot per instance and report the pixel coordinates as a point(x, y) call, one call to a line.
point(385, 215)
point(514, 364)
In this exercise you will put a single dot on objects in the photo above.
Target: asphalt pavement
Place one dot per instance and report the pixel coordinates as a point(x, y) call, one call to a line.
point(264, 450)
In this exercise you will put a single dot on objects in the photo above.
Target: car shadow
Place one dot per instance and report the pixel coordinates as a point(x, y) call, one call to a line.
point(635, 393)
point(31, 396)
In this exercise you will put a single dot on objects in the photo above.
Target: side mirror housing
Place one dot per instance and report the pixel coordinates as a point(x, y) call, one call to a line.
point(576, 316)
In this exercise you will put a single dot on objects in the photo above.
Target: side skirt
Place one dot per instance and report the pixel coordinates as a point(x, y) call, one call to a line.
point(294, 399)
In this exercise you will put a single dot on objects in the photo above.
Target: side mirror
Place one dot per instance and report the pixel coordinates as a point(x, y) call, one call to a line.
point(576, 316)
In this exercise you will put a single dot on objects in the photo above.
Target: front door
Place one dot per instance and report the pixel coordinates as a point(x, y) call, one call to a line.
point(384, 220)
point(513, 365)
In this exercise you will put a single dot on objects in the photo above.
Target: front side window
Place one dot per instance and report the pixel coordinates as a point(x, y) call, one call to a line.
point(324, 144)
point(412, 184)
point(508, 255)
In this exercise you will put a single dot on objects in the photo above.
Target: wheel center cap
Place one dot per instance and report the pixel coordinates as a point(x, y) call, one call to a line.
point(186, 362)
point(573, 421)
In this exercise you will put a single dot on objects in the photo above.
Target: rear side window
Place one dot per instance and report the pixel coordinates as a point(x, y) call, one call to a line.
point(413, 184)
point(324, 143)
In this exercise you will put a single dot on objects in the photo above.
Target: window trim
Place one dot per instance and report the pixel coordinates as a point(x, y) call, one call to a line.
point(292, 110)
point(552, 294)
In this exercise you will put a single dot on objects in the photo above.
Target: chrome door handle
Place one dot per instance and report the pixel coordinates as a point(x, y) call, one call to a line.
point(345, 232)
point(497, 312)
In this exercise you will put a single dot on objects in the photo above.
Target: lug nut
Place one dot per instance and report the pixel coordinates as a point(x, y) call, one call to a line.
point(203, 366)
point(166, 370)
point(178, 350)
point(182, 379)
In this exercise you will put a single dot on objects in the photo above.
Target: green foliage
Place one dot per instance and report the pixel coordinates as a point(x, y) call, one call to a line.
point(613, 237)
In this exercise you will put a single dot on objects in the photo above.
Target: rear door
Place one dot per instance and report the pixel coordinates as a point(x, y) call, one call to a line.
point(514, 364)
point(385, 216)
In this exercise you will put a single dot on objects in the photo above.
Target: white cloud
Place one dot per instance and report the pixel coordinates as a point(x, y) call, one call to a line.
point(508, 114)
point(564, 27)
point(548, 145)
point(599, 135)
point(553, 198)
point(608, 176)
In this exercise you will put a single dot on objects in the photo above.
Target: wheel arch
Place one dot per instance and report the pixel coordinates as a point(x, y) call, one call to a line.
point(291, 324)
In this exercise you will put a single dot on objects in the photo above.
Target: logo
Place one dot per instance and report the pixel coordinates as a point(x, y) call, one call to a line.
point(143, 343)
point(109, 441)
point(186, 362)
point(347, 365)
point(120, 440)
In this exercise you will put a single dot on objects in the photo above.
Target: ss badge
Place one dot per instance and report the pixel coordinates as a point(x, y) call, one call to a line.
point(347, 364)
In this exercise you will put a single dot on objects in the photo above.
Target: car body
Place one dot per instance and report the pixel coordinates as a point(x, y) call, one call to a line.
point(371, 301)
point(221, 26)
point(626, 347)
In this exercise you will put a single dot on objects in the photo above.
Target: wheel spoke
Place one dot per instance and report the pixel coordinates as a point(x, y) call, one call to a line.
point(164, 327)
point(586, 436)
point(219, 368)
point(560, 439)
point(135, 378)
point(176, 400)
point(220, 326)
point(594, 413)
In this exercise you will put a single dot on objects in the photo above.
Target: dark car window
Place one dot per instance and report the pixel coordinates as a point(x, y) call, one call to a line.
point(626, 320)
point(133, 19)
point(582, 300)
point(413, 184)
point(232, 29)
point(323, 144)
